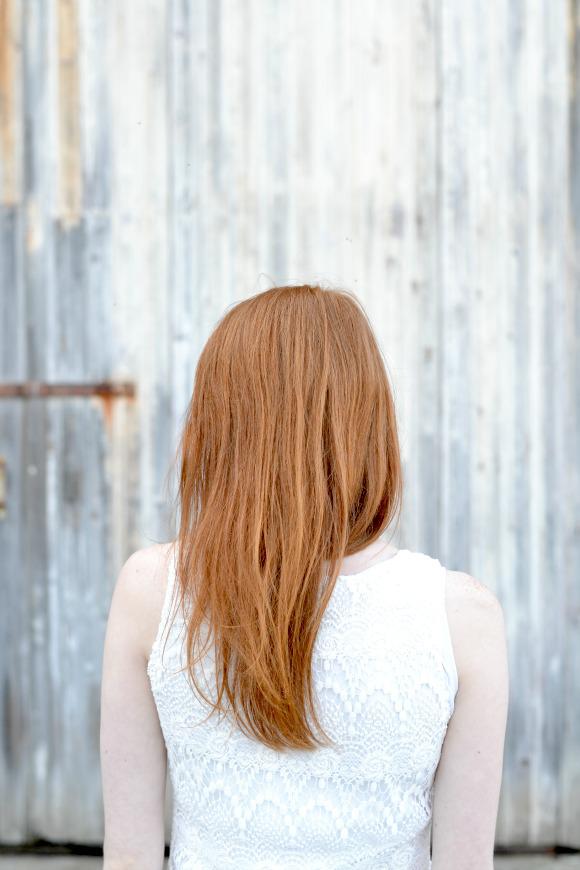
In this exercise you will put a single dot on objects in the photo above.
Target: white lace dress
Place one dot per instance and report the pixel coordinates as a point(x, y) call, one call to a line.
point(385, 679)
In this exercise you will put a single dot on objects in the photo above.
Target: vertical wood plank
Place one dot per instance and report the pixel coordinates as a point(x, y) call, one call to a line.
point(40, 202)
point(16, 697)
point(456, 270)
point(568, 340)
point(425, 285)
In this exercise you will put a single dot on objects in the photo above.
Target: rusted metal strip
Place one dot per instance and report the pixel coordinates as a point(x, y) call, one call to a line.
point(41, 388)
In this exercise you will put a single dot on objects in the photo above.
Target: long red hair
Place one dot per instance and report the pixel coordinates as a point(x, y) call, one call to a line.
point(288, 462)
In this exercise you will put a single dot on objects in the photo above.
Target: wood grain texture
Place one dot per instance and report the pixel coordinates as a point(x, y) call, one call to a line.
point(160, 161)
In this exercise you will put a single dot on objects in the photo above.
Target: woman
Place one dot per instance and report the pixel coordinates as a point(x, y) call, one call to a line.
point(322, 699)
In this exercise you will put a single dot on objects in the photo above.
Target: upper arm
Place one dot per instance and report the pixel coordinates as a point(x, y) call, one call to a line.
point(132, 749)
point(468, 778)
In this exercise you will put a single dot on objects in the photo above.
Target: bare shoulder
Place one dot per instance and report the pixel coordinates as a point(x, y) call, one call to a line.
point(148, 563)
point(475, 617)
point(140, 589)
point(462, 588)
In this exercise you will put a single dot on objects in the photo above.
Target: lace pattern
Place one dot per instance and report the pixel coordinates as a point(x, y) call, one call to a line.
point(385, 681)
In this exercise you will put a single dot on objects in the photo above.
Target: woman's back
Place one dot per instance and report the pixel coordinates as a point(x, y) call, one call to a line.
point(386, 680)
point(289, 453)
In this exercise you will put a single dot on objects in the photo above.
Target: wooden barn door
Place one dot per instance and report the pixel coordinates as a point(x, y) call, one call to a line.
point(66, 457)
point(83, 449)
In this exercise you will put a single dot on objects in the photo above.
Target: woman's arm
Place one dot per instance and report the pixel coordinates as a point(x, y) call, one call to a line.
point(468, 778)
point(133, 754)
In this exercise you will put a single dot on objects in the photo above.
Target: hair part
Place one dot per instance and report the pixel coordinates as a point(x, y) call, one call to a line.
point(288, 461)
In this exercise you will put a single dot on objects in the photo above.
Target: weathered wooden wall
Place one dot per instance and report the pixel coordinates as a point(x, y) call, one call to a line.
point(160, 160)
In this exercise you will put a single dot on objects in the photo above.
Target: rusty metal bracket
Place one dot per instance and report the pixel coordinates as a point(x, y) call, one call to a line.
point(41, 388)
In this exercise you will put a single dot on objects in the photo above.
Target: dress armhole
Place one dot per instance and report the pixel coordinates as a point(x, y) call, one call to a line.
point(166, 610)
point(448, 655)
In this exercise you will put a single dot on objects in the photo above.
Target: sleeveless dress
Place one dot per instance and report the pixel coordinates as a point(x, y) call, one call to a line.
point(385, 682)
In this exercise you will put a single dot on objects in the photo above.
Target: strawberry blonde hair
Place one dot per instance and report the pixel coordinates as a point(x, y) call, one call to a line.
point(288, 462)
